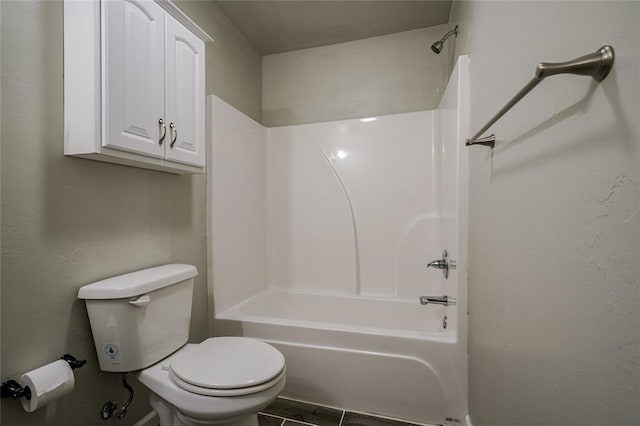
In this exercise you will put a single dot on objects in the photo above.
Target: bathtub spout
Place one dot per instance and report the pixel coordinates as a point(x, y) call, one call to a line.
point(438, 300)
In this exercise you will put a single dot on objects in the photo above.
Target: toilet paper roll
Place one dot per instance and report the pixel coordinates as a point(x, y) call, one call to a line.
point(47, 383)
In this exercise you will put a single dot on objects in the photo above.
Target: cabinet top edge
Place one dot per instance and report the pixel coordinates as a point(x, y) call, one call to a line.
point(184, 19)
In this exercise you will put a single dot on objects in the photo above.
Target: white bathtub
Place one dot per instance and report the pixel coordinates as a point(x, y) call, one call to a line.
point(389, 357)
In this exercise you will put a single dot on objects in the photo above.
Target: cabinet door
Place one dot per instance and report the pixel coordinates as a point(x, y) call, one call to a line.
point(184, 95)
point(133, 63)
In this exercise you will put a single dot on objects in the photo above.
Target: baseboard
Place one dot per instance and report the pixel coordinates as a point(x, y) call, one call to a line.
point(467, 420)
point(150, 419)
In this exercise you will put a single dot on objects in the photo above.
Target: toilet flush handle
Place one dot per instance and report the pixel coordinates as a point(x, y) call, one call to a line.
point(141, 301)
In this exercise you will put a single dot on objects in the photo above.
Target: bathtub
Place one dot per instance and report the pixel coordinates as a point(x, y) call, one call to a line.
point(390, 357)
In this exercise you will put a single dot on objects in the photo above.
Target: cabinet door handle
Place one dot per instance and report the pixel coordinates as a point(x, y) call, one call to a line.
point(164, 134)
point(174, 130)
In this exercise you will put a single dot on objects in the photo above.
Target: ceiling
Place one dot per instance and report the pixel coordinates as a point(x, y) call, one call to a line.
point(281, 26)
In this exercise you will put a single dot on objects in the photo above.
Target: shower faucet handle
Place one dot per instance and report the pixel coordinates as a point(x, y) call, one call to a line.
point(438, 264)
point(445, 264)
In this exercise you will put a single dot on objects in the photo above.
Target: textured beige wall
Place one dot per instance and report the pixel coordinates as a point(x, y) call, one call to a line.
point(67, 221)
point(375, 76)
point(234, 66)
point(554, 280)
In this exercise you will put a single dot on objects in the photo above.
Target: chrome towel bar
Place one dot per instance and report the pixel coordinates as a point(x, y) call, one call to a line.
point(596, 65)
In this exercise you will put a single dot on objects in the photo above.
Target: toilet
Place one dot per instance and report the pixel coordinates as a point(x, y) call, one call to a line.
point(140, 323)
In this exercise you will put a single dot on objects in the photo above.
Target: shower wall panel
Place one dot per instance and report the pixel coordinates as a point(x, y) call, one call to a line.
point(237, 205)
point(352, 206)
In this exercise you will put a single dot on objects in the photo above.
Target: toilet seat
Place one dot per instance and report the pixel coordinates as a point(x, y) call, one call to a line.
point(225, 392)
point(227, 366)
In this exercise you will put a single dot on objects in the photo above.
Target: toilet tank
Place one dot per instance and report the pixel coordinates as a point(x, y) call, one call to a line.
point(139, 318)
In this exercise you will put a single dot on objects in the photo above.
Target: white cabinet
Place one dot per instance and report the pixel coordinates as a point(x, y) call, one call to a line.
point(184, 94)
point(134, 74)
point(134, 84)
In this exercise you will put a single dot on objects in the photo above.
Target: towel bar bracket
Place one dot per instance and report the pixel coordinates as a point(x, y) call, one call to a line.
point(489, 141)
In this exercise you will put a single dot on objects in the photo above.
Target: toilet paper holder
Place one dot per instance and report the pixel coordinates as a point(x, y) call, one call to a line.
point(12, 389)
point(73, 361)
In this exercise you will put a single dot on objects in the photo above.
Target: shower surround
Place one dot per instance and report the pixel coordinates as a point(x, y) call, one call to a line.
point(319, 238)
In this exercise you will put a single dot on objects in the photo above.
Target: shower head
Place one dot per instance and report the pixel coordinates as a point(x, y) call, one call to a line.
point(438, 45)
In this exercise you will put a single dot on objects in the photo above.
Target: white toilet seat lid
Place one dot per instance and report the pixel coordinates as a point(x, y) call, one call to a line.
point(228, 363)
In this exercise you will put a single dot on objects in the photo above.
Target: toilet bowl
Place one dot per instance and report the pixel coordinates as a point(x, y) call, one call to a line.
point(223, 380)
point(140, 322)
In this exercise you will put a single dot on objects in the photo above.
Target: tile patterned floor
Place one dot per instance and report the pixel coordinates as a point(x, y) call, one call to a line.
point(287, 412)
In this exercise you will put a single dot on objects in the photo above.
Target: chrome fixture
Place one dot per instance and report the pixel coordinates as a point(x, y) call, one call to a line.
point(164, 128)
point(174, 130)
point(445, 264)
point(596, 65)
point(438, 45)
point(438, 300)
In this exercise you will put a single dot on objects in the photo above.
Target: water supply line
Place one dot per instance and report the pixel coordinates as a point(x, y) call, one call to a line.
point(110, 409)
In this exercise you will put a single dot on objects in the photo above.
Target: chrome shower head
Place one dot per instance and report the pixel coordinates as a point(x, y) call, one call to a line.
point(438, 45)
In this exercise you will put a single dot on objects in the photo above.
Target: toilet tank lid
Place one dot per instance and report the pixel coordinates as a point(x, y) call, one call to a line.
point(138, 283)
